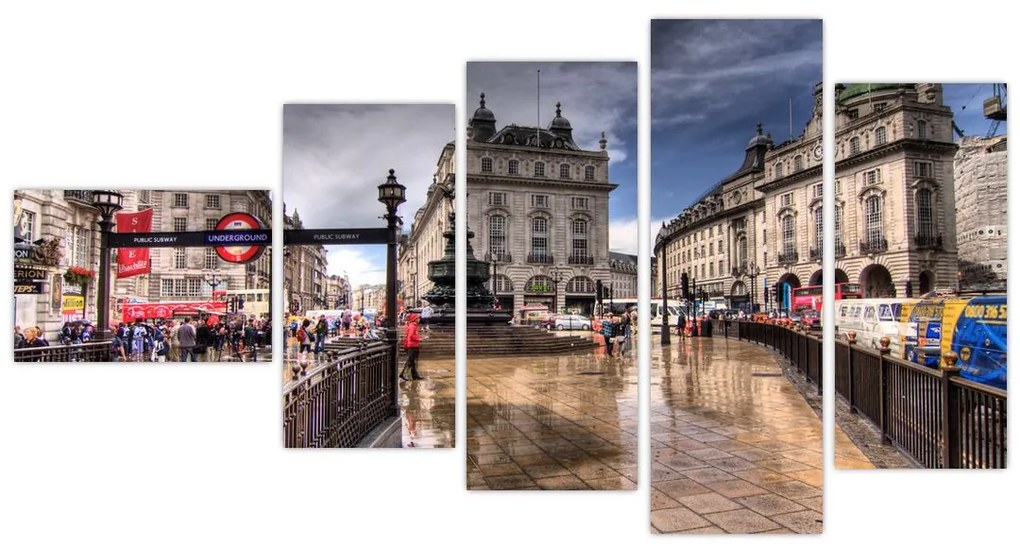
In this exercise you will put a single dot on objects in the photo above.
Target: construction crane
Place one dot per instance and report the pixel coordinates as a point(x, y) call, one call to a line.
point(995, 108)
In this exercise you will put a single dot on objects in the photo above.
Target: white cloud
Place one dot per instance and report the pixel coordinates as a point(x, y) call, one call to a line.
point(363, 265)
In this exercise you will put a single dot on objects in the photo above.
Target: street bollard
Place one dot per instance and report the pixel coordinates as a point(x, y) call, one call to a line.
point(950, 412)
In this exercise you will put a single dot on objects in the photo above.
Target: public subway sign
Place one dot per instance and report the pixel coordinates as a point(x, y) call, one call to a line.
point(237, 239)
point(189, 239)
point(344, 236)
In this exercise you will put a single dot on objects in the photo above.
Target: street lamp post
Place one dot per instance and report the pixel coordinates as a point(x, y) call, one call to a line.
point(107, 202)
point(556, 275)
point(213, 281)
point(391, 194)
point(664, 335)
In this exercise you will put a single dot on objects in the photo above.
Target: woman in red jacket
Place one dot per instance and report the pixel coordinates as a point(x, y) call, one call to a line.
point(412, 341)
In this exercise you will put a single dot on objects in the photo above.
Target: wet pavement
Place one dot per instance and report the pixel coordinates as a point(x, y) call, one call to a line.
point(735, 447)
point(552, 422)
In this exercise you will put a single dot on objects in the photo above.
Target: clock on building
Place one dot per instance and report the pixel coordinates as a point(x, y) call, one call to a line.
point(818, 152)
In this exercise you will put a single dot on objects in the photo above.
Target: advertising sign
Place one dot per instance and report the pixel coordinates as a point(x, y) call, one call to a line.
point(133, 262)
point(242, 252)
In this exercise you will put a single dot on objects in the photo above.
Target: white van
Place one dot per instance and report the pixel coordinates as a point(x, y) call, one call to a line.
point(874, 318)
point(674, 307)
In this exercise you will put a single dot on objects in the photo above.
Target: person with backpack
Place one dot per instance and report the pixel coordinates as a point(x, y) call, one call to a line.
point(608, 333)
point(303, 340)
point(160, 348)
point(412, 344)
point(321, 328)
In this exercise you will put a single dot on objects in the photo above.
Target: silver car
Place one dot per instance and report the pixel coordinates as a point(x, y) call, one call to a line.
point(571, 322)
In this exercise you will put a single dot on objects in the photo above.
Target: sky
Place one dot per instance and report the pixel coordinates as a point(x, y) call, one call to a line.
point(967, 102)
point(712, 82)
point(595, 97)
point(335, 156)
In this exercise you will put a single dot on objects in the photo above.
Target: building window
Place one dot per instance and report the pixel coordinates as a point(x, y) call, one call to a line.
point(925, 215)
point(212, 201)
point(589, 173)
point(779, 170)
point(212, 260)
point(540, 284)
point(798, 163)
point(564, 171)
point(195, 287)
point(540, 201)
point(539, 168)
point(497, 198)
point(504, 284)
point(853, 113)
point(579, 238)
point(878, 107)
point(816, 190)
point(711, 270)
point(487, 164)
point(837, 225)
point(711, 248)
point(789, 236)
point(839, 187)
point(923, 169)
point(818, 227)
point(786, 199)
point(28, 225)
point(181, 200)
point(180, 224)
point(539, 236)
point(512, 166)
point(166, 287)
point(210, 224)
point(855, 145)
point(497, 235)
point(79, 246)
point(582, 285)
point(880, 135)
point(922, 130)
point(742, 250)
point(873, 219)
point(579, 203)
point(145, 197)
point(873, 177)
point(181, 258)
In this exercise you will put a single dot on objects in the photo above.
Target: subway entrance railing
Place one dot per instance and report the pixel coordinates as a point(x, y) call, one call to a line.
point(934, 416)
point(96, 351)
point(338, 403)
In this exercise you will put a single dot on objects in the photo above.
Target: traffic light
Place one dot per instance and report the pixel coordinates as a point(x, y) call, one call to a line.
point(685, 286)
point(598, 291)
point(240, 304)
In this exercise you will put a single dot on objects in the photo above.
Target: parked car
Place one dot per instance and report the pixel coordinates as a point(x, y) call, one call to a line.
point(572, 322)
point(811, 318)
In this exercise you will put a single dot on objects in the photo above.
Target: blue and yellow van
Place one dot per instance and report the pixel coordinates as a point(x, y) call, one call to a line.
point(973, 327)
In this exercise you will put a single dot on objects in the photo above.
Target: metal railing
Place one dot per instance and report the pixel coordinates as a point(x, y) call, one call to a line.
point(96, 351)
point(338, 403)
point(581, 260)
point(922, 241)
point(79, 195)
point(936, 417)
point(539, 258)
point(876, 245)
point(789, 257)
point(802, 350)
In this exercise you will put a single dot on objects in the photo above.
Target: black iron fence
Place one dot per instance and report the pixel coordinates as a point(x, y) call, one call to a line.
point(801, 349)
point(936, 417)
point(96, 351)
point(338, 403)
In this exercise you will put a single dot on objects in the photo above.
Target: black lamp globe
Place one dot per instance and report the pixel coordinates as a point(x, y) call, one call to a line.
point(392, 193)
point(107, 202)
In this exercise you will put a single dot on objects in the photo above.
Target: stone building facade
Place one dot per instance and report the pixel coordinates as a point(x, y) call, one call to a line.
point(624, 274)
point(338, 292)
point(539, 206)
point(757, 227)
point(304, 271)
point(980, 170)
point(895, 214)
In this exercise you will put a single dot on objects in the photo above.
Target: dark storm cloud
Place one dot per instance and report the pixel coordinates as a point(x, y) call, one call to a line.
point(596, 97)
point(334, 157)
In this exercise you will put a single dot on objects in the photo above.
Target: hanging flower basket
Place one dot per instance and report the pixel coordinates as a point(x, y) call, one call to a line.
point(77, 275)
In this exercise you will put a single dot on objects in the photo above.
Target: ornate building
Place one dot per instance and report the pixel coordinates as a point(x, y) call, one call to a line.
point(304, 271)
point(187, 273)
point(895, 221)
point(539, 205)
point(338, 292)
point(624, 274)
point(980, 170)
point(760, 224)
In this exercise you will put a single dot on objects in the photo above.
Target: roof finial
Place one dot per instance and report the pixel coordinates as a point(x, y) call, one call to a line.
point(557, 108)
point(481, 102)
point(602, 141)
point(759, 122)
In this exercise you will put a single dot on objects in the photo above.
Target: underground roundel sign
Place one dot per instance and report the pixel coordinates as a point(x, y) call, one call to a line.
point(239, 254)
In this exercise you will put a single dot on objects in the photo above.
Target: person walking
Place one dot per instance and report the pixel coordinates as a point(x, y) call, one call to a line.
point(250, 339)
point(160, 348)
point(304, 340)
point(186, 336)
point(175, 345)
point(426, 316)
point(321, 328)
point(608, 333)
point(203, 337)
point(681, 324)
point(412, 344)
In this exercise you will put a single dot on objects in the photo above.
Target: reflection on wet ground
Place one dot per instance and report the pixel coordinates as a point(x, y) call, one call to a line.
point(735, 447)
point(552, 422)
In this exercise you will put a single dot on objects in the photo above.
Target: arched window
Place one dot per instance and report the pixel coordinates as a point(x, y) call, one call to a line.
point(837, 224)
point(818, 227)
point(540, 238)
point(579, 239)
point(512, 166)
point(855, 145)
point(540, 284)
point(779, 170)
point(742, 251)
point(880, 135)
point(487, 164)
point(873, 220)
point(564, 170)
point(798, 163)
point(789, 236)
point(539, 168)
point(580, 285)
point(589, 172)
point(503, 284)
point(922, 130)
point(925, 216)
point(497, 235)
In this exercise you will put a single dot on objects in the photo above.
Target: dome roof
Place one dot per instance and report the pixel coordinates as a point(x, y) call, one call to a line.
point(759, 139)
point(483, 114)
point(859, 89)
point(560, 121)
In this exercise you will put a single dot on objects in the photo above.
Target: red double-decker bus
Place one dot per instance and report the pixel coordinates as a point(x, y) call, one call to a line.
point(810, 297)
